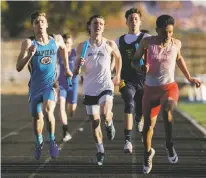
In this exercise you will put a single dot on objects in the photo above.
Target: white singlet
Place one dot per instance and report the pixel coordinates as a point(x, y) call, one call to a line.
point(97, 75)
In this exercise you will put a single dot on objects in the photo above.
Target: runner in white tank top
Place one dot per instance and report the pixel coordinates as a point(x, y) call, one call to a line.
point(97, 75)
point(97, 85)
point(160, 90)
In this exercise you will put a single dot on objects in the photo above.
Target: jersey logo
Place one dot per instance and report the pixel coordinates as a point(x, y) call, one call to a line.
point(99, 53)
point(130, 53)
point(46, 60)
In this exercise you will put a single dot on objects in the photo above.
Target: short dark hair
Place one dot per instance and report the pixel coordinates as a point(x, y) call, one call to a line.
point(35, 14)
point(132, 11)
point(164, 20)
point(90, 20)
point(66, 36)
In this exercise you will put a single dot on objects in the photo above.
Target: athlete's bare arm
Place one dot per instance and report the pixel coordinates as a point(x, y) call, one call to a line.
point(25, 55)
point(181, 64)
point(112, 63)
point(78, 60)
point(139, 53)
point(118, 61)
point(116, 54)
point(64, 53)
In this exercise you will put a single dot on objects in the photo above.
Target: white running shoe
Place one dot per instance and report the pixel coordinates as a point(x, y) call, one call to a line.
point(100, 158)
point(147, 165)
point(139, 125)
point(172, 155)
point(67, 137)
point(142, 138)
point(128, 147)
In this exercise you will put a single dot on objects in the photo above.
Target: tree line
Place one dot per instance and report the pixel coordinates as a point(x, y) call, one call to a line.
point(62, 15)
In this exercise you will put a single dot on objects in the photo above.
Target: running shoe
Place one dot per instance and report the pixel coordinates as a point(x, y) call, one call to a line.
point(139, 124)
point(100, 158)
point(171, 154)
point(53, 149)
point(66, 136)
point(38, 150)
point(128, 147)
point(110, 131)
point(147, 166)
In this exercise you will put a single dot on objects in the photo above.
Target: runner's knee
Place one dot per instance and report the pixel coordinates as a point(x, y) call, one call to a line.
point(95, 123)
point(169, 105)
point(129, 107)
point(38, 116)
point(48, 108)
point(107, 115)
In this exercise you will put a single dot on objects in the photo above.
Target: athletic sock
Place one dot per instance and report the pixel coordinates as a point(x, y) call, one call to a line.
point(108, 124)
point(100, 147)
point(128, 135)
point(39, 139)
point(148, 153)
point(51, 137)
point(65, 128)
point(169, 144)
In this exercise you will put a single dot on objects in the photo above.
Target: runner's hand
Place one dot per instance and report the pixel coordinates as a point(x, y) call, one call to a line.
point(195, 82)
point(68, 73)
point(32, 50)
point(116, 80)
point(81, 62)
point(145, 68)
point(78, 70)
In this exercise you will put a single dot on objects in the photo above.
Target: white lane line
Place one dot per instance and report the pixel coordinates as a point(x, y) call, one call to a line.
point(15, 132)
point(60, 148)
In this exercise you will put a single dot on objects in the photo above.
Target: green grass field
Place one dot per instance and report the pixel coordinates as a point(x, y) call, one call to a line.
point(195, 110)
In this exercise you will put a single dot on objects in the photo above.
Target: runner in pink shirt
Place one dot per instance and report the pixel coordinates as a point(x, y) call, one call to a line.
point(160, 91)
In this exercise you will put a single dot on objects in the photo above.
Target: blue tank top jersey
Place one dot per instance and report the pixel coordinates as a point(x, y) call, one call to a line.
point(62, 78)
point(43, 66)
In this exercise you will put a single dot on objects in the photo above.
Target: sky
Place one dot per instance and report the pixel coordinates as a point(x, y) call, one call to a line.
point(202, 2)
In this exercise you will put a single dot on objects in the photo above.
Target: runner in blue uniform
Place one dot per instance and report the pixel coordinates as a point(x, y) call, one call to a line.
point(67, 95)
point(40, 53)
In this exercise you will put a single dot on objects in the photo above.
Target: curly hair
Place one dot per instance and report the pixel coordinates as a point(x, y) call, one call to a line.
point(164, 20)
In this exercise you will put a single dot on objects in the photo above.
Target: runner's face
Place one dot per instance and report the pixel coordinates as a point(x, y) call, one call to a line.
point(133, 22)
point(40, 25)
point(97, 26)
point(166, 33)
point(68, 42)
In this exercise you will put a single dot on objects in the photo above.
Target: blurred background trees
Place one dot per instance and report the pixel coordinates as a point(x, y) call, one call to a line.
point(62, 15)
